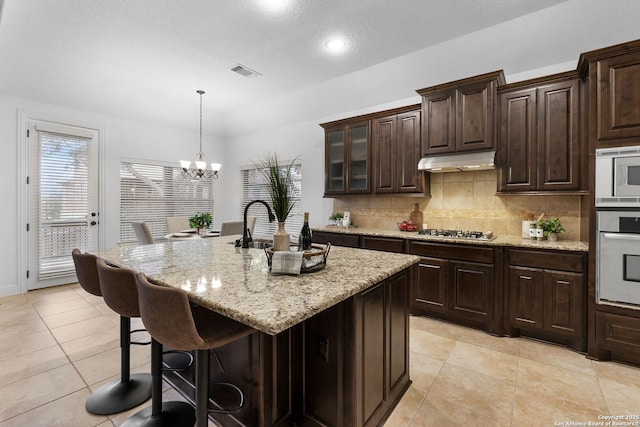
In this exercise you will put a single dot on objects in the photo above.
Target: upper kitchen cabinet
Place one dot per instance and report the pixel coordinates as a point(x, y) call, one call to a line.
point(613, 75)
point(381, 147)
point(460, 116)
point(396, 151)
point(540, 136)
point(347, 158)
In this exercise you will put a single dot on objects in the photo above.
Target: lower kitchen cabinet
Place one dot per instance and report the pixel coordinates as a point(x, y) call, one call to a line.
point(337, 239)
point(458, 283)
point(387, 244)
point(618, 337)
point(357, 356)
point(546, 296)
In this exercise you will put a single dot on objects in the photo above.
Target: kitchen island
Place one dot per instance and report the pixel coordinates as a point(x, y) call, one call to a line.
point(331, 347)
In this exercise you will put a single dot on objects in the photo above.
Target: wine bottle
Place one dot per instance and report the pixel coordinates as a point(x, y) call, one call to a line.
point(304, 240)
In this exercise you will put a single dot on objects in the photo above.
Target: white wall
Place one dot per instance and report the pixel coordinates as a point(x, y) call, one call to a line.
point(123, 139)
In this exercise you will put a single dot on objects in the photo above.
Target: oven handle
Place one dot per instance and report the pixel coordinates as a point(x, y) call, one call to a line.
point(620, 236)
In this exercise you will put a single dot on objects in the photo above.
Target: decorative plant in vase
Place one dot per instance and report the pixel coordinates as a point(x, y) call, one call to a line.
point(281, 189)
point(200, 221)
point(551, 227)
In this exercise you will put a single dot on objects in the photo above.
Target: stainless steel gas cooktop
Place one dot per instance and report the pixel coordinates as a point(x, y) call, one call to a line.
point(459, 234)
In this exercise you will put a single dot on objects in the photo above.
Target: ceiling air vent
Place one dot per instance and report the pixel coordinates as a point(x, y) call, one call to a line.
point(244, 71)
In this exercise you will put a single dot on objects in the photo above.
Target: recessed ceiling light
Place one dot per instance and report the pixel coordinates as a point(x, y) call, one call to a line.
point(336, 44)
point(274, 2)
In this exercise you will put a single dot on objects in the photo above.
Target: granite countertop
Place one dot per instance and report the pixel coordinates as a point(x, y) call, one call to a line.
point(237, 283)
point(565, 245)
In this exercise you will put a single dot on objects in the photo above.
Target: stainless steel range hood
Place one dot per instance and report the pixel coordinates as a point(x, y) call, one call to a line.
point(475, 161)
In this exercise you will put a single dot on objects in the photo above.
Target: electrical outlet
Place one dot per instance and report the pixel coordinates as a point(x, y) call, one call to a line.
point(322, 348)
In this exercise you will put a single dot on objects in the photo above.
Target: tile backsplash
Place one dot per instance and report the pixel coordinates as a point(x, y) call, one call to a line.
point(467, 201)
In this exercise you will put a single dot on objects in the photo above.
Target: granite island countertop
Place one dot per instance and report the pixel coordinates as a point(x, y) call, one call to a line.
point(564, 245)
point(236, 282)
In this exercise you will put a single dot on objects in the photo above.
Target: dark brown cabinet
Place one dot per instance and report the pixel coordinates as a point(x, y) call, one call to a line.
point(618, 337)
point(457, 283)
point(357, 356)
point(384, 145)
point(540, 146)
point(338, 239)
point(387, 244)
point(613, 75)
point(396, 153)
point(348, 158)
point(547, 295)
point(460, 115)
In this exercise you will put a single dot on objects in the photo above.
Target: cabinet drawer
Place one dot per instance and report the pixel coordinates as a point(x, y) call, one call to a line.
point(337, 239)
point(387, 244)
point(547, 259)
point(474, 253)
point(617, 333)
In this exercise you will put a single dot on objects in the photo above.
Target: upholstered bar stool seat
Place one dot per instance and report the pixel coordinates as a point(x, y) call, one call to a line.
point(130, 390)
point(120, 292)
point(169, 318)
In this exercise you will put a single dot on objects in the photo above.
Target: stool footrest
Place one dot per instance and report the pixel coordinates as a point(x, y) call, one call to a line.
point(228, 411)
point(180, 365)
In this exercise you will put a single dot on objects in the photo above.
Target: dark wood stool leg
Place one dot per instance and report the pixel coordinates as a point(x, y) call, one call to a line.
point(128, 391)
point(159, 414)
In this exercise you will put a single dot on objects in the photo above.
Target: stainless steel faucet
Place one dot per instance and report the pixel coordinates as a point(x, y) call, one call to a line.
point(246, 234)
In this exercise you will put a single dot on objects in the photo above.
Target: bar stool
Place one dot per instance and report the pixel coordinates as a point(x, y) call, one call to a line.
point(121, 293)
point(130, 390)
point(170, 319)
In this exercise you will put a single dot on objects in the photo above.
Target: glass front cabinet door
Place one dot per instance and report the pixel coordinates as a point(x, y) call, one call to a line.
point(348, 159)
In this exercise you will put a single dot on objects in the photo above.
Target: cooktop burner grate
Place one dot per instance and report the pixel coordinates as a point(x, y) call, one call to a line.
point(458, 234)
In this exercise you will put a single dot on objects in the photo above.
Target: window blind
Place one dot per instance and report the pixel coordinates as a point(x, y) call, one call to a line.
point(254, 187)
point(151, 191)
point(63, 202)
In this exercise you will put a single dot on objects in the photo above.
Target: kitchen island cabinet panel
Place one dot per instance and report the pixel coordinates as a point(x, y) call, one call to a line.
point(356, 357)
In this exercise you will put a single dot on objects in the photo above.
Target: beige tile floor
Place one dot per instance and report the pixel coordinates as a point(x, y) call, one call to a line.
point(58, 344)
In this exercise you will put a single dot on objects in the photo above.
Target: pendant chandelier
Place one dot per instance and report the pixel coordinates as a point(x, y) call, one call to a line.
point(200, 171)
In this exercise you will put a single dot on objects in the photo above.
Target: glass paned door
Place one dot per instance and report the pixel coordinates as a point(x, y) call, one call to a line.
point(63, 202)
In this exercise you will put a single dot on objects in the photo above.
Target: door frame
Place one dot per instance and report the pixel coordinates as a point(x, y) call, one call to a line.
point(22, 196)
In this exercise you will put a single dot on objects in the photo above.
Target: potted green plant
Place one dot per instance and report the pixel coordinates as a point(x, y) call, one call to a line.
point(279, 183)
point(200, 221)
point(336, 218)
point(551, 227)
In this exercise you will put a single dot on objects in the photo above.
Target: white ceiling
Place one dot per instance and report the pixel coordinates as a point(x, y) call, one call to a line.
point(144, 59)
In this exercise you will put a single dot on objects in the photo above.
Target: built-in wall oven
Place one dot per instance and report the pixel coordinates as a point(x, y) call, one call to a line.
point(618, 258)
point(617, 199)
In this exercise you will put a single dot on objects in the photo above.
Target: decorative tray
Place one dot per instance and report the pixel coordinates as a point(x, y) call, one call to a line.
point(313, 259)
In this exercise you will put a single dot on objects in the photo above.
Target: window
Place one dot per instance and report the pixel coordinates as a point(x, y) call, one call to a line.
point(151, 191)
point(254, 188)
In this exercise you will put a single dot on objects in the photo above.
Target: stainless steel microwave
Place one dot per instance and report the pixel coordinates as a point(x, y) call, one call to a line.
point(618, 177)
